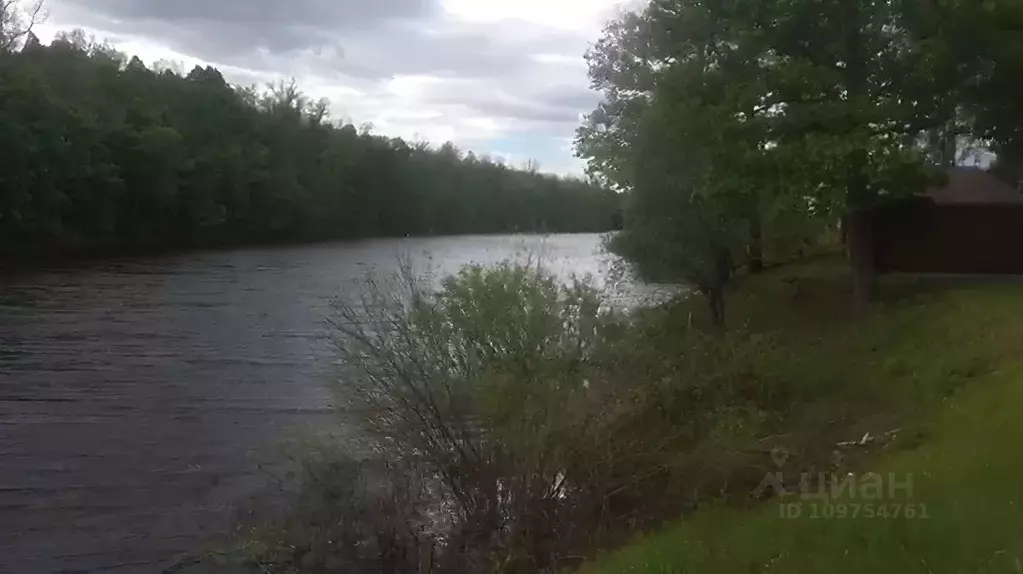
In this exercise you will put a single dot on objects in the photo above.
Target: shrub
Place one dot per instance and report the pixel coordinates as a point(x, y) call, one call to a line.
point(510, 423)
point(345, 514)
point(488, 383)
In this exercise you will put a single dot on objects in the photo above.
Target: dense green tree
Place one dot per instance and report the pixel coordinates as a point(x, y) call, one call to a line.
point(101, 151)
point(983, 54)
point(823, 104)
point(688, 210)
point(854, 90)
point(685, 129)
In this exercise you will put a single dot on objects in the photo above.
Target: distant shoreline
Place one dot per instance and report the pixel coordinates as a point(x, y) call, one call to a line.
point(29, 257)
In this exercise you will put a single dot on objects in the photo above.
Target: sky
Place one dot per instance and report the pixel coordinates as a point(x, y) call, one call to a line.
point(499, 77)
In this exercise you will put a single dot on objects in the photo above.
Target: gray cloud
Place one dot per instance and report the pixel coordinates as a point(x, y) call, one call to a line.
point(265, 13)
point(369, 38)
point(443, 49)
point(228, 29)
point(577, 97)
point(263, 18)
point(511, 102)
point(521, 76)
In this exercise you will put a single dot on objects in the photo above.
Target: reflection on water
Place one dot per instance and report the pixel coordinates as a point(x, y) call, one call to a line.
point(133, 392)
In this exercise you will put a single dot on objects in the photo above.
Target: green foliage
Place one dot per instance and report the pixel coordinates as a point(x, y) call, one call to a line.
point(102, 151)
point(519, 424)
point(555, 428)
point(344, 513)
point(985, 55)
point(730, 119)
point(684, 129)
point(492, 385)
point(479, 425)
point(938, 361)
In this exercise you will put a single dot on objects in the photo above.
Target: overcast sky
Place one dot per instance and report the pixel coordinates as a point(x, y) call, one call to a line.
point(504, 77)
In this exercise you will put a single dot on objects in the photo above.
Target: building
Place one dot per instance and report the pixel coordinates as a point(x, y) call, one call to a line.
point(971, 225)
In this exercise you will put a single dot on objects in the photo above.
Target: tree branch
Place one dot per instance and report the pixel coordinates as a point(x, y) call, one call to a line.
point(10, 22)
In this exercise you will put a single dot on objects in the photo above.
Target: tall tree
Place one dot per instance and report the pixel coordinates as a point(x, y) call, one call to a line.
point(852, 90)
point(683, 130)
point(985, 49)
point(623, 67)
point(840, 89)
point(17, 21)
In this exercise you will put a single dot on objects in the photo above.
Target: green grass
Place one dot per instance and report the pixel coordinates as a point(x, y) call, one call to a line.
point(941, 360)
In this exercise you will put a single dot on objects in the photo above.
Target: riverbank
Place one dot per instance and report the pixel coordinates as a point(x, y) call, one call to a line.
point(924, 392)
point(806, 433)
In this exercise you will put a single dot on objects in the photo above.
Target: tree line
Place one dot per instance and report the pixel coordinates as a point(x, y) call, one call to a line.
point(101, 150)
point(730, 122)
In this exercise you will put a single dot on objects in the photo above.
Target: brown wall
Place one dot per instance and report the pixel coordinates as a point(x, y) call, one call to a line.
point(919, 236)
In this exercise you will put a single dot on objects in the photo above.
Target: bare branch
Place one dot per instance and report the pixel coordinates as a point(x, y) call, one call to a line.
point(17, 24)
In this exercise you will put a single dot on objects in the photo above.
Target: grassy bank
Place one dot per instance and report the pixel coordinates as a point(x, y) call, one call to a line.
point(509, 423)
point(930, 377)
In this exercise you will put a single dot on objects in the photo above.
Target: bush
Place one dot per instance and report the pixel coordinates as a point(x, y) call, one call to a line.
point(510, 423)
point(347, 514)
point(489, 384)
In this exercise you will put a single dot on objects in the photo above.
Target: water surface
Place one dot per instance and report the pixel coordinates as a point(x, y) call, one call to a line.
point(136, 395)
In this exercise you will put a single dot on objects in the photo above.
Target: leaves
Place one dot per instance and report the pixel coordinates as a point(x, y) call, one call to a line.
point(102, 150)
point(683, 128)
point(723, 115)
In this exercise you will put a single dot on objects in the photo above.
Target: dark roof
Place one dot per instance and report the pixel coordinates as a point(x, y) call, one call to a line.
point(973, 185)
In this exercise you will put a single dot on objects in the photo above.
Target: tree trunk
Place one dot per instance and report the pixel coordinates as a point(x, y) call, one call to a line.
point(716, 292)
point(857, 201)
point(716, 305)
point(755, 249)
point(860, 248)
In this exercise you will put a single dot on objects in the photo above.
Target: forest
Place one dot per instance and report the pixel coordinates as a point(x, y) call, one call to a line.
point(100, 151)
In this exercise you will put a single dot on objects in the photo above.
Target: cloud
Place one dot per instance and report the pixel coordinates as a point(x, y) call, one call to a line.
point(239, 26)
point(472, 71)
point(331, 13)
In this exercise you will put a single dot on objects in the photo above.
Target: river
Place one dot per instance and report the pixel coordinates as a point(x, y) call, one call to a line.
point(138, 395)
